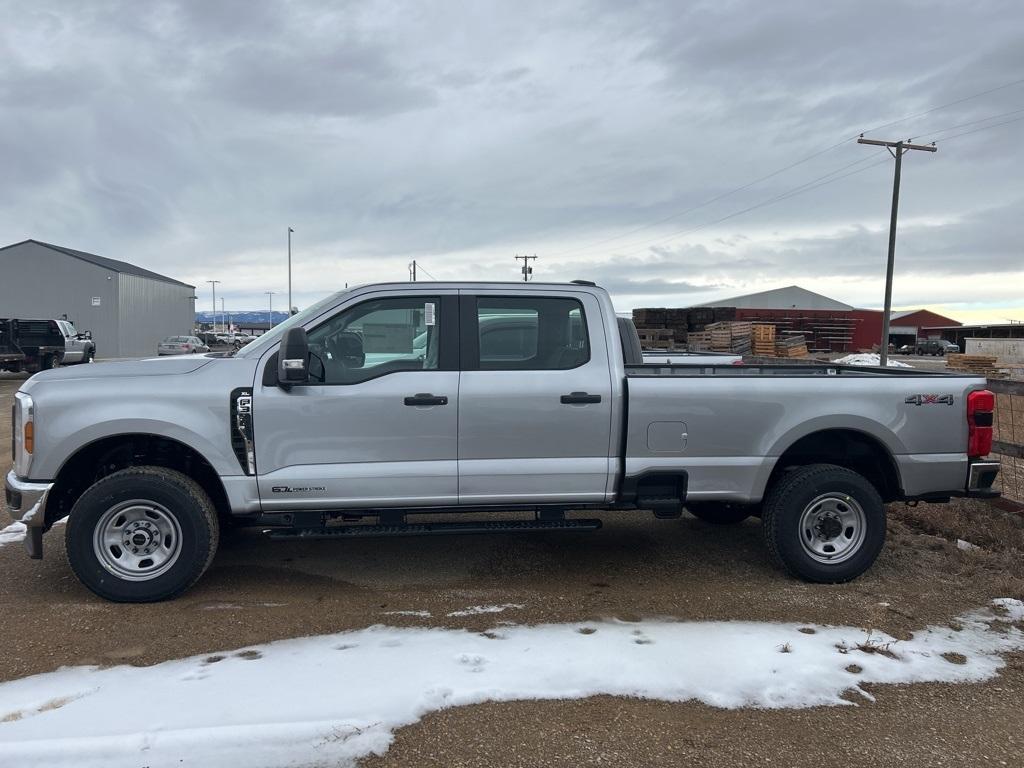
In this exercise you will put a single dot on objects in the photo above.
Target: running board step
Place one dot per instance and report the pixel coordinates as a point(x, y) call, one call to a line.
point(433, 529)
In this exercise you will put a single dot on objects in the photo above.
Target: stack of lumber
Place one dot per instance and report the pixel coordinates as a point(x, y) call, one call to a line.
point(762, 339)
point(791, 346)
point(656, 338)
point(983, 365)
point(729, 337)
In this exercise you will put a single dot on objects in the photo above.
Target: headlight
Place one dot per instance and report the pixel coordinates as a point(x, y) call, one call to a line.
point(24, 432)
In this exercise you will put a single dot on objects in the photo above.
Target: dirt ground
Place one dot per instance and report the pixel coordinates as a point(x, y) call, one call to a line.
point(636, 566)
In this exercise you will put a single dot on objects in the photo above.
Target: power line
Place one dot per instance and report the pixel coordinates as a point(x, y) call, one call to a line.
point(785, 168)
point(789, 193)
point(704, 204)
point(419, 266)
point(983, 128)
point(934, 134)
point(946, 106)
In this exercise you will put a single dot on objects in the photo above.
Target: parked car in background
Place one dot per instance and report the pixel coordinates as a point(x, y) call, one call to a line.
point(181, 345)
point(937, 347)
point(907, 349)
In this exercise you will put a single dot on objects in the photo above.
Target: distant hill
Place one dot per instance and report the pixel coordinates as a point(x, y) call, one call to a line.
point(254, 316)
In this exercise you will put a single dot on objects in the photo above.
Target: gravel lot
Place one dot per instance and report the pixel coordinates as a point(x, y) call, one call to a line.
point(257, 591)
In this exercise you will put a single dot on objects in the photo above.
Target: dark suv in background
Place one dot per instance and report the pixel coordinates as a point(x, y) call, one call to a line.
point(936, 347)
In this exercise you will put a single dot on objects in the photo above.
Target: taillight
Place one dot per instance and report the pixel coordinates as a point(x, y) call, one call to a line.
point(980, 406)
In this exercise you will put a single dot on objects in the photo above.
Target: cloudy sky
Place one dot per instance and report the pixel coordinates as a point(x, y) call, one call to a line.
point(616, 140)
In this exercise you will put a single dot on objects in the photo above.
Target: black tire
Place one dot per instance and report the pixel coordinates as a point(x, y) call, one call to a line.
point(721, 512)
point(185, 504)
point(920, 353)
point(796, 492)
point(50, 362)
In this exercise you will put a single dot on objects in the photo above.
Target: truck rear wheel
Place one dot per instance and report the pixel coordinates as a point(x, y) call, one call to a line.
point(141, 534)
point(721, 512)
point(824, 523)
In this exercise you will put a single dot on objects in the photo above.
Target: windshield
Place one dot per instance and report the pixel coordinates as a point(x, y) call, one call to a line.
point(257, 347)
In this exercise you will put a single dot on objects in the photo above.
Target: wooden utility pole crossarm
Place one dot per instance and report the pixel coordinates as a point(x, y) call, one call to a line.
point(896, 149)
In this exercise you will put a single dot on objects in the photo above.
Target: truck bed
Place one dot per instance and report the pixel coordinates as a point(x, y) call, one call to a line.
point(728, 425)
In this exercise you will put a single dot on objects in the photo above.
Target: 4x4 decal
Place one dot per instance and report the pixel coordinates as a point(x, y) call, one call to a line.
point(929, 400)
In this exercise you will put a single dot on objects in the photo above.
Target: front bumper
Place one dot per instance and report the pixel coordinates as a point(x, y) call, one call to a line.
point(26, 503)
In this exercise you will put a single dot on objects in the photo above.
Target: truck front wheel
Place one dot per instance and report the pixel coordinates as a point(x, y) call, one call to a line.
point(141, 534)
point(824, 523)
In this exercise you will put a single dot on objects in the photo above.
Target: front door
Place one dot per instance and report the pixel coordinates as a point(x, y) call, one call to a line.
point(74, 347)
point(377, 424)
point(535, 399)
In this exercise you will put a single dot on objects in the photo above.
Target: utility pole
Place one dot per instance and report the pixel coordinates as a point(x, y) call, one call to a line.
point(271, 315)
point(527, 269)
point(290, 230)
point(412, 271)
point(896, 149)
point(213, 285)
point(224, 315)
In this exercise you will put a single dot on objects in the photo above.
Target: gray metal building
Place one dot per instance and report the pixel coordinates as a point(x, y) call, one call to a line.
point(127, 308)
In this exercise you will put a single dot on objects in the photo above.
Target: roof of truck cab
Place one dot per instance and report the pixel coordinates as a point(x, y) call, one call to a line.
point(478, 284)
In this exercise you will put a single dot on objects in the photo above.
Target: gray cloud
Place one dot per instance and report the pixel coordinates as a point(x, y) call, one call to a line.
point(187, 137)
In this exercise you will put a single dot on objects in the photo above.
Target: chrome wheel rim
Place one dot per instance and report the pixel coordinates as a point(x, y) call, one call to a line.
point(137, 540)
point(832, 528)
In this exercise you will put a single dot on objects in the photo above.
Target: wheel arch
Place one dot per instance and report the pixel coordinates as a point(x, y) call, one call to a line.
point(104, 456)
point(854, 449)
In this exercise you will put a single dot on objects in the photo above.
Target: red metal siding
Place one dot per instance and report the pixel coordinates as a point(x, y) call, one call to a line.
point(923, 318)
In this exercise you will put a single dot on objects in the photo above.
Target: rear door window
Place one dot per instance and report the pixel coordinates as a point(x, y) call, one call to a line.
point(530, 333)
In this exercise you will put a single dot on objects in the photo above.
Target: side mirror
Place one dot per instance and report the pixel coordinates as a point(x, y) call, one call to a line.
point(293, 358)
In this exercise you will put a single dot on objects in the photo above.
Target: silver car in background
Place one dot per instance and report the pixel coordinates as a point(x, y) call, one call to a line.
point(181, 345)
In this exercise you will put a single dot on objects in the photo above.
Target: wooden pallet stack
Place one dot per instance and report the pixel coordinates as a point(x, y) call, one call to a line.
point(791, 346)
point(982, 365)
point(699, 341)
point(762, 339)
point(656, 338)
point(727, 336)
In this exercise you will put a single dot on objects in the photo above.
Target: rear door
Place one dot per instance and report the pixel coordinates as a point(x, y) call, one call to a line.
point(376, 425)
point(534, 398)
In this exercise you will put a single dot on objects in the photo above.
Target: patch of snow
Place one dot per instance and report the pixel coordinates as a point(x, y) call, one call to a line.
point(421, 614)
point(870, 358)
point(13, 532)
point(965, 545)
point(334, 699)
point(476, 610)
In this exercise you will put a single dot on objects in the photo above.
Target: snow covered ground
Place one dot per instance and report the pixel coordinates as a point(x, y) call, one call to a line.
point(870, 358)
point(13, 532)
point(334, 698)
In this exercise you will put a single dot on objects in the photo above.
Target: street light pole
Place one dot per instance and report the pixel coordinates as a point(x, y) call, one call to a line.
point(213, 285)
point(271, 315)
point(290, 230)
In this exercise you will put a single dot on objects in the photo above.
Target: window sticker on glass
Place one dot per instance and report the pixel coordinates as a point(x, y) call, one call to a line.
point(428, 313)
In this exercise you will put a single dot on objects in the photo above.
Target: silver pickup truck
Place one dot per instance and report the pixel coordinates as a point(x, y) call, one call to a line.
point(386, 401)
